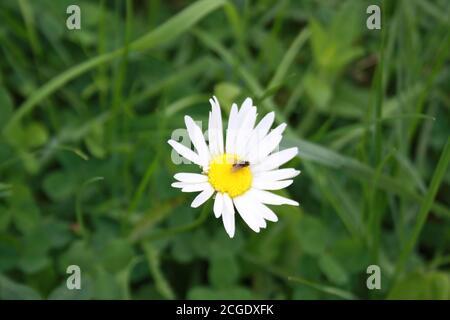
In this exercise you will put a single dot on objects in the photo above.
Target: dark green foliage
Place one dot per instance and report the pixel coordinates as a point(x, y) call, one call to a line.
point(85, 170)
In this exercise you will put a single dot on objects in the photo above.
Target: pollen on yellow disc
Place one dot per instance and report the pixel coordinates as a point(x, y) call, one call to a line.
point(224, 178)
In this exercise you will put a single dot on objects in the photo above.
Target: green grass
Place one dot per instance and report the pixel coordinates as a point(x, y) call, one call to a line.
point(85, 170)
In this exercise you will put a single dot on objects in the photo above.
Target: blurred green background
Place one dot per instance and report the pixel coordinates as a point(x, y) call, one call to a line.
point(85, 170)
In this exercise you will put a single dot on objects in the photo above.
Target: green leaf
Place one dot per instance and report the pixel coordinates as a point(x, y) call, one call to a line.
point(34, 251)
point(117, 255)
point(312, 235)
point(10, 290)
point(319, 40)
point(351, 254)
point(106, 286)
point(36, 135)
point(333, 270)
point(57, 232)
point(319, 91)
point(25, 213)
point(63, 293)
point(332, 44)
point(227, 94)
point(422, 286)
point(182, 249)
point(59, 185)
point(94, 142)
point(222, 246)
point(346, 23)
point(80, 254)
point(223, 272)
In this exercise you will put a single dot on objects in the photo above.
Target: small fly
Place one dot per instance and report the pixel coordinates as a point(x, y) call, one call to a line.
point(239, 165)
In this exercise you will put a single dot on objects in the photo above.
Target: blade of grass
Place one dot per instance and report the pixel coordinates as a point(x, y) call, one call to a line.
point(347, 295)
point(27, 14)
point(185, 73)
point(120, 73)
point(184, 103)
point(253, 85)
point(206, 209)
point(236, 23)
point(123, 278)
point(375, 213)
point(338, 200)
point(152, 216)
point(309, 150)
point(356, 169)
point(427, 205)
point(143, 184)
point(283, 275)
point(161, 284)
point(288, 58)
point(406, 165)
point(164, 33)
point(441, 57)
point(101, 77)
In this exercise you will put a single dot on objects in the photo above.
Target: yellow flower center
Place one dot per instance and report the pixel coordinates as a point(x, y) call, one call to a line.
point(227, 175)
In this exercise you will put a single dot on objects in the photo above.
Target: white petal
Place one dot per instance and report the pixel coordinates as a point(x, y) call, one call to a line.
point(195, 187)
point(185, 152)
point(232, 129)
point(218, 124)
point(261, 130)
point(179, 184)
point(270, 198)
point(271, 185)
point(263, 224)
point(235, 124)
point(218, 205)
point(191, 177)
point(243, 112)
point(276, 175)
point(228, 215)
point(202, 197)
point(246, 105)
point(197, 138)
point(280, 129)
point(212, 136)
point(215, 134)
point(245, 131)
point(261, 221)
point(275, 160)
point(260, 150)
point(249, 215)
point(189, 184)
point(265, 123)
point(266, 212)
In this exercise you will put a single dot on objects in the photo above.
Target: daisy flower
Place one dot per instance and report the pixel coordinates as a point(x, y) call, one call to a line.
point(240, 171)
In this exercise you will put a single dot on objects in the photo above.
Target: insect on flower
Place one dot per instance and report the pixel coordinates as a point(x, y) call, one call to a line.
point(242, 172)
point(240, 164)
